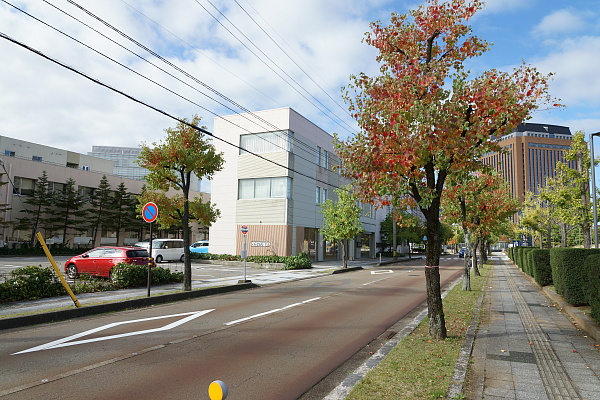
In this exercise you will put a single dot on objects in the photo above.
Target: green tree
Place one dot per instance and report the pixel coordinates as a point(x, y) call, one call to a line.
point(185, 152)
point(123, 212)
point(67, 210)
point(37, 207)
point(424, 117)
point(569, 190)
point(409, 228)
point(101, 210)
point(341, 219)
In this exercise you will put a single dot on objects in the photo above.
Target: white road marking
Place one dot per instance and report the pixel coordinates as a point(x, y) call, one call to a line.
point(237, 321)
point(382, 271)
point(378, 280)
point(67, 341)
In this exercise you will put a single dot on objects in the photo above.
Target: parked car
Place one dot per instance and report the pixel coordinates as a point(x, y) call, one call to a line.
point(99, 261)
point(165, 249)
point(200, 246)
point(461, 252)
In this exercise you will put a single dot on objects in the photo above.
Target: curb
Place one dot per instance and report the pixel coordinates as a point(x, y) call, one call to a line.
point(53, 316)
point(455, 390)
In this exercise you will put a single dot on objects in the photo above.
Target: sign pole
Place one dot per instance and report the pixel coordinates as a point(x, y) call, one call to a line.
point(245, 252)
point(244, 230)
point(149, 214)
point(150, 261)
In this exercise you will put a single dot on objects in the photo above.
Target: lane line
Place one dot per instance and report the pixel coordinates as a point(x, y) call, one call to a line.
point(237, 321)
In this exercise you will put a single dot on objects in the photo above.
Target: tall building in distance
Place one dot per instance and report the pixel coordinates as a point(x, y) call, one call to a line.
point(124, 160)
point(531, 153)
point(125, 163)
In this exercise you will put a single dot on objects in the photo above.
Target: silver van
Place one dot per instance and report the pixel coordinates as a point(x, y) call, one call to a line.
point(165, 249)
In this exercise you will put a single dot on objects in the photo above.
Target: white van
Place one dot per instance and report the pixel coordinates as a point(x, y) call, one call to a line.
point(165, 249)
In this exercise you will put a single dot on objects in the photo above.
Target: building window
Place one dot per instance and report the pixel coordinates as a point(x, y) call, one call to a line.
point(266, 142)
point(9, 153)
point(264, 188)
point(23, 186)
point(322, 157)
point(320, 195)
point(36, 158)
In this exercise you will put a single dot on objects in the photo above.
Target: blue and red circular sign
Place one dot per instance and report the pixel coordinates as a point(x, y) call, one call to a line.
point(150, 212)
point(244, 229)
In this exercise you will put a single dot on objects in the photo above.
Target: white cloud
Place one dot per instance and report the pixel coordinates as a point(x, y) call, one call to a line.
point(560, 22)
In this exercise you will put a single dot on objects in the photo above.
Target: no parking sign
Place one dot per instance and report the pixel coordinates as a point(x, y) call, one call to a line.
point(150, 212)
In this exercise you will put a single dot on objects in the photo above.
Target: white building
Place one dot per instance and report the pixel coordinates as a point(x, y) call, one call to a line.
point(275, 192)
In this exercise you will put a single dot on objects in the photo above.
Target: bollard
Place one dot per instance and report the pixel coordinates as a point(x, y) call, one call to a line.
point(217, 390)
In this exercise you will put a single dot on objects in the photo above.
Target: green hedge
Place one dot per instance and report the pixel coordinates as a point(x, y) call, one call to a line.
point(527, 260)
point(569, 274)
point(540, 263)
point(29, 283)
point(300, 261)
point(592, 290)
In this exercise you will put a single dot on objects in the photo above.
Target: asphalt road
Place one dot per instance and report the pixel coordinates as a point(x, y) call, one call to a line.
point(273, 342)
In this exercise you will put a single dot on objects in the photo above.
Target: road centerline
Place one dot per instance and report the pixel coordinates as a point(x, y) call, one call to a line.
point(237, 321)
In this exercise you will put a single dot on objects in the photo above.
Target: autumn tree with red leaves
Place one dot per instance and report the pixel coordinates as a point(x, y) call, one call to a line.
point(423, 118)
point(480, 203)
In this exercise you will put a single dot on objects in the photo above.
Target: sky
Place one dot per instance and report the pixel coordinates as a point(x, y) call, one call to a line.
point(234, 56)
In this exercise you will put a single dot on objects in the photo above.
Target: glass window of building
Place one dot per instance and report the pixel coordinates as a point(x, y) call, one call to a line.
point(266, 142)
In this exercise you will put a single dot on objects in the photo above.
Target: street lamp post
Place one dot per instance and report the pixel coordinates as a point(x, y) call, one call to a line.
point(594, 209)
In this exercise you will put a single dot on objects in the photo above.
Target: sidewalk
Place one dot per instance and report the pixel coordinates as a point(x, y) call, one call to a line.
point(526, 348)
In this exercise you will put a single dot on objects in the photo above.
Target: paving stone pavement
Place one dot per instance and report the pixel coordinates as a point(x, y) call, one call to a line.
point(526, 348)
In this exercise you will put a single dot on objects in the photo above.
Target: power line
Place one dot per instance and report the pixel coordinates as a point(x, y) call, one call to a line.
point(349, 128)
point(130, 97)
point(291, 59)
point(156, 83)
point(305, 145)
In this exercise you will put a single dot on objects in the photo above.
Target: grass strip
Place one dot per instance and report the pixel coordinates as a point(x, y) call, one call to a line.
point(420, 368)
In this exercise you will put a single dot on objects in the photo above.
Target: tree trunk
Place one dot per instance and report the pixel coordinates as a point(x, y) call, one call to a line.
point(344, 256)
point(435, 308)
point(187, 262)
point(467, 261)
point(563, 234)
point(549, 235)
point(475, 267)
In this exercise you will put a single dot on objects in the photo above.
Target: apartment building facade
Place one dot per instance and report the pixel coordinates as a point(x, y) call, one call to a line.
point(22, 163)
point(279, 167)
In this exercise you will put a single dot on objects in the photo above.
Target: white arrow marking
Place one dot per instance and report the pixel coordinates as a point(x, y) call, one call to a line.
point(270, 312)
point(382, 271)
point(68, 340)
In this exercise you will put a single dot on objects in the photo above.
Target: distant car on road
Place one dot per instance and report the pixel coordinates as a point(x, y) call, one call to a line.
point(200, 246)
point(165, 249)
point(461, 253)
point(101, 260)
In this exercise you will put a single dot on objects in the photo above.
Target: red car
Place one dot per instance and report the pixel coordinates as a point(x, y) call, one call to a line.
point(99, 261)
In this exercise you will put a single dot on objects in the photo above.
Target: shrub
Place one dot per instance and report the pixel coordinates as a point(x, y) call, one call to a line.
point(542, 272)
point(130, 276)
point(592, 289)
point(300, 261)
point(28, 283)
point(527, 260)
point(569, 273)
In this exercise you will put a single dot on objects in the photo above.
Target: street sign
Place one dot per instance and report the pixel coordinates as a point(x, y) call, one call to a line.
point(244, 229)
point(150, 212)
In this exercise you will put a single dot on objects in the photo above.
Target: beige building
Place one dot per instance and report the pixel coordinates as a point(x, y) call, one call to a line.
point(24, 162)
point(276, 191)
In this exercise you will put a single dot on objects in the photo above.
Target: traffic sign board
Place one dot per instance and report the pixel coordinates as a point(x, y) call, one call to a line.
point(244, 229)
point(150, 212)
